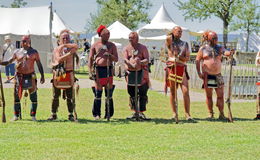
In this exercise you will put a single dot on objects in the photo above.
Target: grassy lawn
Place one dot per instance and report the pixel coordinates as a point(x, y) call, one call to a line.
point(159, 138)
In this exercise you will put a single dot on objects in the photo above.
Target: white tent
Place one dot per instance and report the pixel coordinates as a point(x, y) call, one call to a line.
point(58, 24)
point(160, 25)
point(118, 33)
point(35, 21)
point(253, 44)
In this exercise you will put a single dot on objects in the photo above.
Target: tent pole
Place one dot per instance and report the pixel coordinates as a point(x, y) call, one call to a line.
point(51, 19)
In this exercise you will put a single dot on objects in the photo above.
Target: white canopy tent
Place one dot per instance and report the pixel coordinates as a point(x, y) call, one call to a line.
point(118, 33)
point(36, 21)
point(154, 34)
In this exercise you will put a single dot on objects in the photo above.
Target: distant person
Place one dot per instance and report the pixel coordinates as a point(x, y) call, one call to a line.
point(210, 54)
point(257, 62)
point(86, 45)
point(136, 59)
point(8, 51)
point(151, 58)
point(154, 55)
point(25, 77)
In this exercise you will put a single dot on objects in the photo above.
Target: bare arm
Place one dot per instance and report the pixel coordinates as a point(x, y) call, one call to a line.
point(126, 60)
point(39, 64)
point(145, 61)
point(91, 58)
point(198, 60)
point(257, 60)
point(73, 50)
point(128, 63)
point(168, 43)
point(114, 55)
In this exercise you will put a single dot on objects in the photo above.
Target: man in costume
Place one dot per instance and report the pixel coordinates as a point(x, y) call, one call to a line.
point(210, 53)
point(257, 62)
point(102, 55)
point(178, 51)
point(25, 77)
point(8, 51)
point(136, 58)
point(63, 74)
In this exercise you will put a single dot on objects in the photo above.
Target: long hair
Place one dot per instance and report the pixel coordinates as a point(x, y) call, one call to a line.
point(204, 38)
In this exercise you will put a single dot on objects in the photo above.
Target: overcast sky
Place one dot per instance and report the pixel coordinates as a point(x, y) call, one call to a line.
point(76, 13)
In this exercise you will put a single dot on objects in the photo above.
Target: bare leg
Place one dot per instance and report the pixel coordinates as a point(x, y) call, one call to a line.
point(209, 101)
point(258, 102)
point(220, 100)
point(172, 99)
point(258, 105)
point(186, 96)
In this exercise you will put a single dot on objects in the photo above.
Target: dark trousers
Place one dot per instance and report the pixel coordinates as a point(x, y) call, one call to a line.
point(68, 96)
point(142, 97)
point(96, 110)
point(10, 69)
point(17, 103)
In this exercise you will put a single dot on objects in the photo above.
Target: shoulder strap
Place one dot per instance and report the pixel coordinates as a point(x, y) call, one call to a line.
point(6, 50)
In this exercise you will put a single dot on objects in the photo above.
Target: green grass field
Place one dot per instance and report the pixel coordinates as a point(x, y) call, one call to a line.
point(159, 138)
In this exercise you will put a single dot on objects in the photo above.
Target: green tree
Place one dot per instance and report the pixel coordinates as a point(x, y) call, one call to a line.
point(204, 9)
point(18, 4)
point(248, 20)
point(128, 12)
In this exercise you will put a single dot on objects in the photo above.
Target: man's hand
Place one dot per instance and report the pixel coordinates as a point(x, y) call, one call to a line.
point(107, 54)
point(42, 80)
point(229, 53)
point(258, 61)
point(201, 76)
point(232, 51)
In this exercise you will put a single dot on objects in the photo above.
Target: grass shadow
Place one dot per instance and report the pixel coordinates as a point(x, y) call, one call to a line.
point(118, 121)
point(166, 121)
point(218, 120)
point(53, 121)
point(114, 121)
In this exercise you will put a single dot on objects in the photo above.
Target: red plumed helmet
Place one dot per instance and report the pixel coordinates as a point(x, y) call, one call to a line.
point(100, 28)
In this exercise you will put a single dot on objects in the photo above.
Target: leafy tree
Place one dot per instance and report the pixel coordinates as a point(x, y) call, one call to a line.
point(204, 9)
point(128, 12)
point(248, 20)
point(18, 4)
